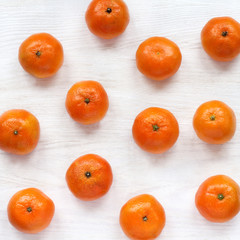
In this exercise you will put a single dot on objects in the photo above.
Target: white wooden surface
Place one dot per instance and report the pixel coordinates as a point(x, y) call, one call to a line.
point(172, 178)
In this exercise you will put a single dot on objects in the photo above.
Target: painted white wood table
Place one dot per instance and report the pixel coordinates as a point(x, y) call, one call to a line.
point(173, 177)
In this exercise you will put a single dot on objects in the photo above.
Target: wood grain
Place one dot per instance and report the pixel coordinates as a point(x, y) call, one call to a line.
point(172, 177)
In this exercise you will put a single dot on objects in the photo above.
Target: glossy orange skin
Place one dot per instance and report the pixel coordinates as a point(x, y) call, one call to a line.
point(50, 59)
point(42, 210)
point(87, 113)
point(158, 141)
point(133, 213)
point(28, 131)
point(216, 44)
point(158, 58)
point(217, 131)
point(107, 25)
point(93, 187)
point(210, 206)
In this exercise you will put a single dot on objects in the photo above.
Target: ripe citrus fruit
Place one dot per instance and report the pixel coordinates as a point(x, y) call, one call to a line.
point(221, 38)
point(87, 102)
point(218, 198)
point(89, 177)
point(158, 58)
point(142, 217)
point(214, 122)
point(30, 210)
point(155, 130)
point(107, 18)
point(41, 55)
point(19, 131)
